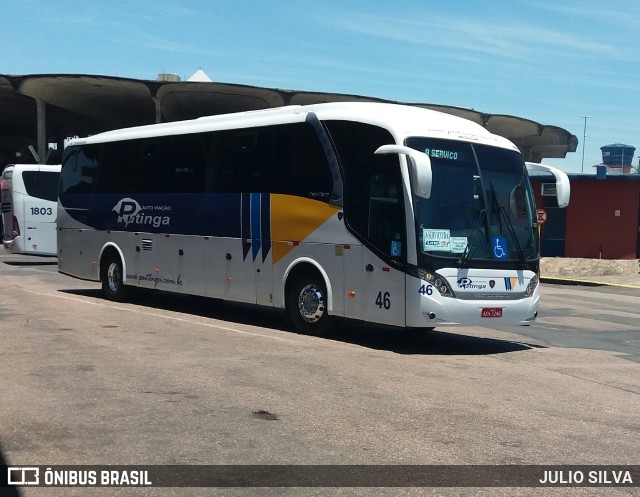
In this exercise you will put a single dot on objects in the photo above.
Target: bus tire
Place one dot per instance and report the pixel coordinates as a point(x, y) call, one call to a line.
point(113, 287)
point(307, 305)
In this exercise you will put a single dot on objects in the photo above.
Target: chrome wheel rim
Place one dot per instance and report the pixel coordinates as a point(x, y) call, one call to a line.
point(113, 277)
point(311, 303)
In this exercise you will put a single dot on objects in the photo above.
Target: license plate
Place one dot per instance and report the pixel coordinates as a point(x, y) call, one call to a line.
point(492, 312)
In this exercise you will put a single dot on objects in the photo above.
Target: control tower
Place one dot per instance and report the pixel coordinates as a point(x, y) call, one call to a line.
point(617, 157)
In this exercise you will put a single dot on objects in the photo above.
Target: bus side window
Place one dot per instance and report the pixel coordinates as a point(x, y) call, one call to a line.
point(119, 167)
point(186, 160)
point(79, 169)
point(149, 175)
point(286, 159)
point(236, 162)
point(308, 171)
point(251, 160)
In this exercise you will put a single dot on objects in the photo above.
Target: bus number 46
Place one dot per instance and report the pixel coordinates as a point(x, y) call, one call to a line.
point(426, 290)
point(383, 300)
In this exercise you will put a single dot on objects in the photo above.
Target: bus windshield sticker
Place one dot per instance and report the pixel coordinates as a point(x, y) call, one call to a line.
point(436, 240)
point(499, 247)
point(458, 244)
point(396, 248)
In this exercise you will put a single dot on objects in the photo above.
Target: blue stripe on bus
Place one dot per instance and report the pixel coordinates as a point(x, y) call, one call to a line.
point(265, 219)
point(255, 224)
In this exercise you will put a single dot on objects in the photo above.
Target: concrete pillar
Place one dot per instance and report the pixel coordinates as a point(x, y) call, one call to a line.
point(41, 112)
point(158, 105)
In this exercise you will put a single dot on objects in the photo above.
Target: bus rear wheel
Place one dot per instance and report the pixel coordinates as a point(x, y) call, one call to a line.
point(113, 287)
point(307, 305)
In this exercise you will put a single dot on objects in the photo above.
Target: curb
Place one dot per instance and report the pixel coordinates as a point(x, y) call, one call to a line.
point(574, 282)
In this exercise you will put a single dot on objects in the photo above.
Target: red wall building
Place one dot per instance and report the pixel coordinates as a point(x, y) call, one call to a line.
point(601, 221)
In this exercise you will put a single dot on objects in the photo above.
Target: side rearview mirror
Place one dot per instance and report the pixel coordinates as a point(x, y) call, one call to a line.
point(419, 167)
point(563, 188)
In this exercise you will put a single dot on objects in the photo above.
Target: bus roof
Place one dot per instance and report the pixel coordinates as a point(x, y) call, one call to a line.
point(400, 120)
point(55, 168)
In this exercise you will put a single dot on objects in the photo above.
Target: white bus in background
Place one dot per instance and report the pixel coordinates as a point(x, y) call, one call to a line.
point(28, 201)
point(383, 213)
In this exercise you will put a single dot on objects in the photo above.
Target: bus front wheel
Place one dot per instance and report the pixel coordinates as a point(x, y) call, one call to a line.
point(307, 305)
point(112, 281)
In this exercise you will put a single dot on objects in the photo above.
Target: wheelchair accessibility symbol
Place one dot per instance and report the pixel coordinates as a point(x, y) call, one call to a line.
point(499, 247)
point(396, 249)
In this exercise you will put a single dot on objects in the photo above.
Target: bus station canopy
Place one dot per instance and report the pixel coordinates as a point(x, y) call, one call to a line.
point(41, 109)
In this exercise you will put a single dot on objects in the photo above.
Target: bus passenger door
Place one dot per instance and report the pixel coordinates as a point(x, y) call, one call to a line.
point(384, 277)
point(354, 296)
point(384, 289)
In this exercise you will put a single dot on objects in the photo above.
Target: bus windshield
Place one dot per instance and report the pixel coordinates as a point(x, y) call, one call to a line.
point(481, 206)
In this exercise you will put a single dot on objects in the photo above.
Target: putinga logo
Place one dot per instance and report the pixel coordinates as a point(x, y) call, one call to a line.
point(468, 284)
point(130, 212)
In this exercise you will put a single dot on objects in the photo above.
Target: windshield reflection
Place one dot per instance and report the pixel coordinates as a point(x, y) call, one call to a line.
point(481, 205)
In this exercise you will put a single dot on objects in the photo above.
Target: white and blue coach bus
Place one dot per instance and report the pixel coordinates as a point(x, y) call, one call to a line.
point(369, 211)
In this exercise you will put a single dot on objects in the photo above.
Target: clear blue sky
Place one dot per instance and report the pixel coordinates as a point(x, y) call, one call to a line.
point(549, 61)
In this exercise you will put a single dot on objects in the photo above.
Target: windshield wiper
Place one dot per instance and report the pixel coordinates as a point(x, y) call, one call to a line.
point(495, 206)
point(502, 216)
point(512, 232)
point(477, 221)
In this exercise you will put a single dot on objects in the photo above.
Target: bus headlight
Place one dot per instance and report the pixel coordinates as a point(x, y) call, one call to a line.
point(437, 281)
point(531, 286)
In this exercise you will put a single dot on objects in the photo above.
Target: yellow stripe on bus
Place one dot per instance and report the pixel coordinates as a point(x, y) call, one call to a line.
point(293, 219)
